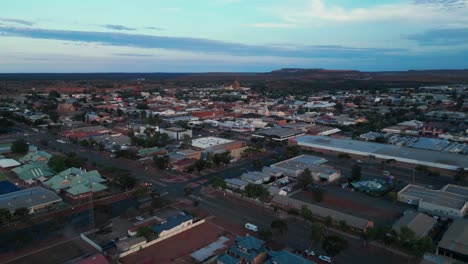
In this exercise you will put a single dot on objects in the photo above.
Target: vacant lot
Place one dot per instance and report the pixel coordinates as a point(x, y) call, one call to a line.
point(177, 248)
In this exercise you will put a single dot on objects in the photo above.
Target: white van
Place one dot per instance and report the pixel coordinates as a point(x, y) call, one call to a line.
point(251, 227)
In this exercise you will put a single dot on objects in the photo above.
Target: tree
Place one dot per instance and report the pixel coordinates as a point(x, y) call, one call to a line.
point(188, 191)
point(143, 231)
point(142, 106)
point(319, 194)
point(186, 142)
point(419, 247)
point(20, 146)
point(317, 232)
point(162, 162)
point(200, 165)
point(257, 163)
point(305, 178)
point(5, 215)
point(292, 151)
point(280, 226)
point(306, 213)
point(334, 245)
point(406, 235)
point(54, 94)
point(218, 182)
point(344, 226)
point(328, 221)
point(21, 212)
point(265, 234)
point(461, 175)
point(57, 163)
point(126, 181)
point(257, 191)
point(355, 172)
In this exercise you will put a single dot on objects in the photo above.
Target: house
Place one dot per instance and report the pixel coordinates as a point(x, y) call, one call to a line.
point(286, 257)
point(77, 183)
point(419, 223)
point(248, 249)
point(172, 225)
point(177, 133)
point(8, 163)
point(34, 199)
point(33, 173)
point(236, 184)
point(227, 259)
point(255, 177)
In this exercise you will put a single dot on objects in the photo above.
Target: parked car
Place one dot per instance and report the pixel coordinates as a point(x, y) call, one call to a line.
point(325, 258)
point(251, 227)
point(140, 218)
point(359, 161)
point(310, 252)
point(385, 173)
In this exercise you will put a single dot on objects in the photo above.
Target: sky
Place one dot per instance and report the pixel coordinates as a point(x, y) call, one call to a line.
point(232, 35)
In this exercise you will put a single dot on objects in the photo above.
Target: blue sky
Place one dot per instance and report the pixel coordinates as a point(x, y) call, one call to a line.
point(232, 35)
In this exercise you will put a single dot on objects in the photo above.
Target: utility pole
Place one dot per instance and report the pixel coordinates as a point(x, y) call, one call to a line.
point(91, 207)
point(413, 175)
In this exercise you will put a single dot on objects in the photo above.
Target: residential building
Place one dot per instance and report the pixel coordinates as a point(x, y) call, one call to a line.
point(235, 183)
point(286, 257)
point(248, 249)
point(451, 201)
point(172, 225)
point(177, 133)
point(36, 156)
point(255, 177)
point(34, 199)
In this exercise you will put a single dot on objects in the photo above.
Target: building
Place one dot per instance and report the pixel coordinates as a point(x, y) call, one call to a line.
point(77, 183)
point(451, 201)
point(34, 199)
point(97, 258)
point(33, 173)
point(419, 223)
point(295, 166)
point(172, 225)
point(286, 257)
point(255, 177)
point(219, 145)
point(235, 183)
point(278, 133)
point(7, 187)
point(454, 243)
point(85, 132)
point(248, 249)
point(8, 163)
point(36, 156)
point(412, 156)
point(176, 133)
point(356, 223)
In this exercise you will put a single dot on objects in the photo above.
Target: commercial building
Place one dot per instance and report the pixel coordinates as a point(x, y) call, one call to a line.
point(33, 173)
point(34, 199)
point(77, 183)
point(419, 223)
point(295, 166)
point(172, 224)
point(36, 156)
point(255, 177)
point(286, 257)
point(356, 223)
point(451, 201)
point(176, 133)
point(413, 156)
point(219, 145)
point(278, 133)
point(235, 183)
point(8, 163)
point(454, 243)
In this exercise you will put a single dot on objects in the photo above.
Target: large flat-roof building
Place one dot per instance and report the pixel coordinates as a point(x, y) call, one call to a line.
point(451, 201)
point(295, 166)
point(34, 199)
point(419, 223)
point(454, 243)
point(219, 145)
point(414, 156)
point(278, 133)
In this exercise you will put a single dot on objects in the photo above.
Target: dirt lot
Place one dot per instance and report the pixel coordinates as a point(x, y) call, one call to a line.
point(177, 248)
point(376, 209)
point(58, 254)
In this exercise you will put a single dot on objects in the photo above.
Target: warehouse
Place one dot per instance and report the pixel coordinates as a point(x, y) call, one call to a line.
point(278, 133)
point(34, 199)
point(451, 201)
point(295, 166)
point(454, 243)
point(441, 160)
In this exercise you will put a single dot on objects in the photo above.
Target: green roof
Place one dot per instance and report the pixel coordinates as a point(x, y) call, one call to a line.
point(36, 156)
point(286, 257)
point(33, 171)
point(76, 181)
point(146, 151)
point(227, 259)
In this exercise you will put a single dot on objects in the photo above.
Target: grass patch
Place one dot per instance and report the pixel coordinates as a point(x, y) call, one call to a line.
point(3, 177)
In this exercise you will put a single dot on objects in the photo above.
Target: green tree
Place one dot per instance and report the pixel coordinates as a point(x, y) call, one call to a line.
point(317, 232)
point(292, 151)
point(265, 234)
point(344, 226)
point(257, 163)
point(355, 172)
point(280, 226)
point(419, 247)
point(186, 142)
point(162, 162)
point(257, 191)
point(218, 182)
point(328, 221)
point(143, 231)
point(319, 194)
point(200, 165)
point(5, 215)
point(188, 191)
point(20, 146)
point(334, 245)
point(21, 212)
point(126, 181)
point(54, 94)
point(305, 178)
point(306, 213)
point(57, 163)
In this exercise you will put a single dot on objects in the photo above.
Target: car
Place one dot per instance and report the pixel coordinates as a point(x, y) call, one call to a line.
point(182, 213)
point(359, 161)
point(309, 252)
point(325, 258)
point(251, 227)
point(140, 218)
point(344, 185)
point(386, 173)
point(61, 141)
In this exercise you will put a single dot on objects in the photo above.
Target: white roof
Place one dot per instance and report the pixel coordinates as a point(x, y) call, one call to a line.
point(7, 163)
point(207, 142)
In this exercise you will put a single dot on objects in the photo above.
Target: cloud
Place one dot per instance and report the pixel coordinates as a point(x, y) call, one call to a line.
point(138, 55)
point(441, 37)
point(17, 21)
point(194, 44)
point(154, 28)
point(118, 27)
point(275, 25)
